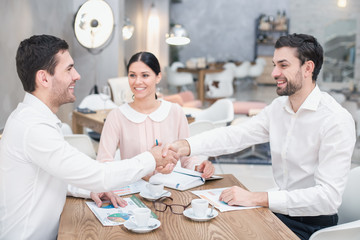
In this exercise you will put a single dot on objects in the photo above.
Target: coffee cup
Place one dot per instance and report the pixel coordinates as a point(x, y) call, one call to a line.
point(155, 188)
point(141, 217)
point(199, 207)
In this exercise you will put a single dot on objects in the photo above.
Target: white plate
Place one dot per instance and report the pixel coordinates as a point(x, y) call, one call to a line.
point(132, 226)
point(146, 194)
point(190, 214)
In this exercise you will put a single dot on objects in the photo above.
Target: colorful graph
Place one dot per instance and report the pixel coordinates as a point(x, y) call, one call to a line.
point(107, 205)
point(118, 217)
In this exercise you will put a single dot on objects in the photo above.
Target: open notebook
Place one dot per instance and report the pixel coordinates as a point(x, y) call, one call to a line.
point(181, 179)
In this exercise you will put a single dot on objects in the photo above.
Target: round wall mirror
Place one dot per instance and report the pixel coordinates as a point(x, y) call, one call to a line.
point(94, 24)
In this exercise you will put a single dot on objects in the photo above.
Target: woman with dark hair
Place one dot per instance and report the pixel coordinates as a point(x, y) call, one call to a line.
point(147, 121)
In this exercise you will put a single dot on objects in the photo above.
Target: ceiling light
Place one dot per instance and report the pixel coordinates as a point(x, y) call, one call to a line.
point(128, 29)
point(341, 3)
point(177, 36)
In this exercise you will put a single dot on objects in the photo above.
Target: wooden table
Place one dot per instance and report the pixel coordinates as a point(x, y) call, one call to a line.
point(201, 77)
point(78, 222)
point(95, 121)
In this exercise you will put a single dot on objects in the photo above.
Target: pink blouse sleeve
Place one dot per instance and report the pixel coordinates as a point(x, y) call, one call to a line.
point(109, 139)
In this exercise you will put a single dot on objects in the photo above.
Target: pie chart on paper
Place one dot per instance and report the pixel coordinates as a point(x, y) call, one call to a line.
point(118, 217)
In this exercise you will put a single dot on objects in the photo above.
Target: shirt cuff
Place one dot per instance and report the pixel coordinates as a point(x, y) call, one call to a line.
point(192, 144)
point(78, 192)
point(148, 161)
point(278, 202)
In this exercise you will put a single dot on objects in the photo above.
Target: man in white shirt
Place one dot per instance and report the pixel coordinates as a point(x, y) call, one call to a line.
point(311, 139)
point(37, 164)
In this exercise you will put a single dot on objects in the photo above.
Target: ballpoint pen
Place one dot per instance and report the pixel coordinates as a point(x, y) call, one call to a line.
point(157, 143)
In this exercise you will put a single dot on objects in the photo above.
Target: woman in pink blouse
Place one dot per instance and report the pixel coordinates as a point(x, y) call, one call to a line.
point(137, 126)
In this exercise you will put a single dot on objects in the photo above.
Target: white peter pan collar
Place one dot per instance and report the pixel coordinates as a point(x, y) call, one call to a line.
point(158, 115)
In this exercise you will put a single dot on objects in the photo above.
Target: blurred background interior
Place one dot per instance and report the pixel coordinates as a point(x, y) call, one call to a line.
point(227, 54)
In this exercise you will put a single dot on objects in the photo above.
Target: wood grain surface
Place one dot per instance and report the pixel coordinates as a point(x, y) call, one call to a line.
point(78, 222)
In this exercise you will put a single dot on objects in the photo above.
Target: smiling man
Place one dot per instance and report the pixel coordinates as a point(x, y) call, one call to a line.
point(311, 139)
point(37, 164)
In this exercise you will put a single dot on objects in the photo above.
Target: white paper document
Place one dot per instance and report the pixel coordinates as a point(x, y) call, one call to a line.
point(212, 195)
point(136, 187)
point(181, 179)
point(110, 216)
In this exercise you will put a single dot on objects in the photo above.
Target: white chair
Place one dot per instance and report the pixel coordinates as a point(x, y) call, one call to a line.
point(120, 90)
point(200, 126)
point(230, 65)
point(178, 79)
point(219, 85)
point(220, 113)
point(261, 61)
point(257, 69)
point(95, 102)
point(82, 142)
point(349, 213)
point(242, 70)
point(241, 73)
point(66, 129)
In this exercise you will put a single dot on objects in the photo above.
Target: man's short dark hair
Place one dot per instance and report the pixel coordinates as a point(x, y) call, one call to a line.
point(307, 47)
point(37, 53)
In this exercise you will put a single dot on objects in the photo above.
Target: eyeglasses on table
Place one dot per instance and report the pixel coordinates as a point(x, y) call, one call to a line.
point(161, 206)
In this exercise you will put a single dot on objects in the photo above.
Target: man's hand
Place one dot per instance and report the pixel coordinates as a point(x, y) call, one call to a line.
point(207, 168)
point(161, 161)
point(114, 199)
point(167, 169)
point(239, 196)
point(181, 147)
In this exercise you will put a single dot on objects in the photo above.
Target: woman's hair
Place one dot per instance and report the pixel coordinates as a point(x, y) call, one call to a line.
point(148, 58)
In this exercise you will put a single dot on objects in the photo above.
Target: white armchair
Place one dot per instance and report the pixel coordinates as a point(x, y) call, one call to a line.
point(349, 213)
point(81, 142)
point(242, 70)
point(257, 69)
point(178, 79)
point(219, 85)
point(241, 73)
point(120, 90)
point(220, 113)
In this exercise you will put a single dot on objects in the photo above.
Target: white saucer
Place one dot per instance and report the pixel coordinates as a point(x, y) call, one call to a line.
point(133, 227)
point(146, 194)
point(190, 214)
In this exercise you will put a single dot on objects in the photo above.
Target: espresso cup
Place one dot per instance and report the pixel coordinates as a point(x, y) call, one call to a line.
point(141, 217)
point(199, 207)
point(155, 188)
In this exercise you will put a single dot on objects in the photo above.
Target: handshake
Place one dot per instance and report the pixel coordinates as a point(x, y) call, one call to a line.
point(166, 157)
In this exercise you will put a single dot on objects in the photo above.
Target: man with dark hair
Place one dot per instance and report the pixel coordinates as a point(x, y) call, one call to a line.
point(37, 164)
point(311, 139)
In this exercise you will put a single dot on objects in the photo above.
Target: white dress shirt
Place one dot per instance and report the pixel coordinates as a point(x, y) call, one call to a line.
point(310, 150)
point(37, 164)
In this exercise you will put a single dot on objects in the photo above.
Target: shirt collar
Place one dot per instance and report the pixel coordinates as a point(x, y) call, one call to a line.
point(158, 115)
point(41, 107)
point(311, 102)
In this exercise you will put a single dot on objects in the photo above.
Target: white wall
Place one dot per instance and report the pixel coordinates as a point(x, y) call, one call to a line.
point(24, 18)
point(224, 30)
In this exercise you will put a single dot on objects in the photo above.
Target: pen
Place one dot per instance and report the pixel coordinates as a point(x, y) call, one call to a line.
point(157, 143)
